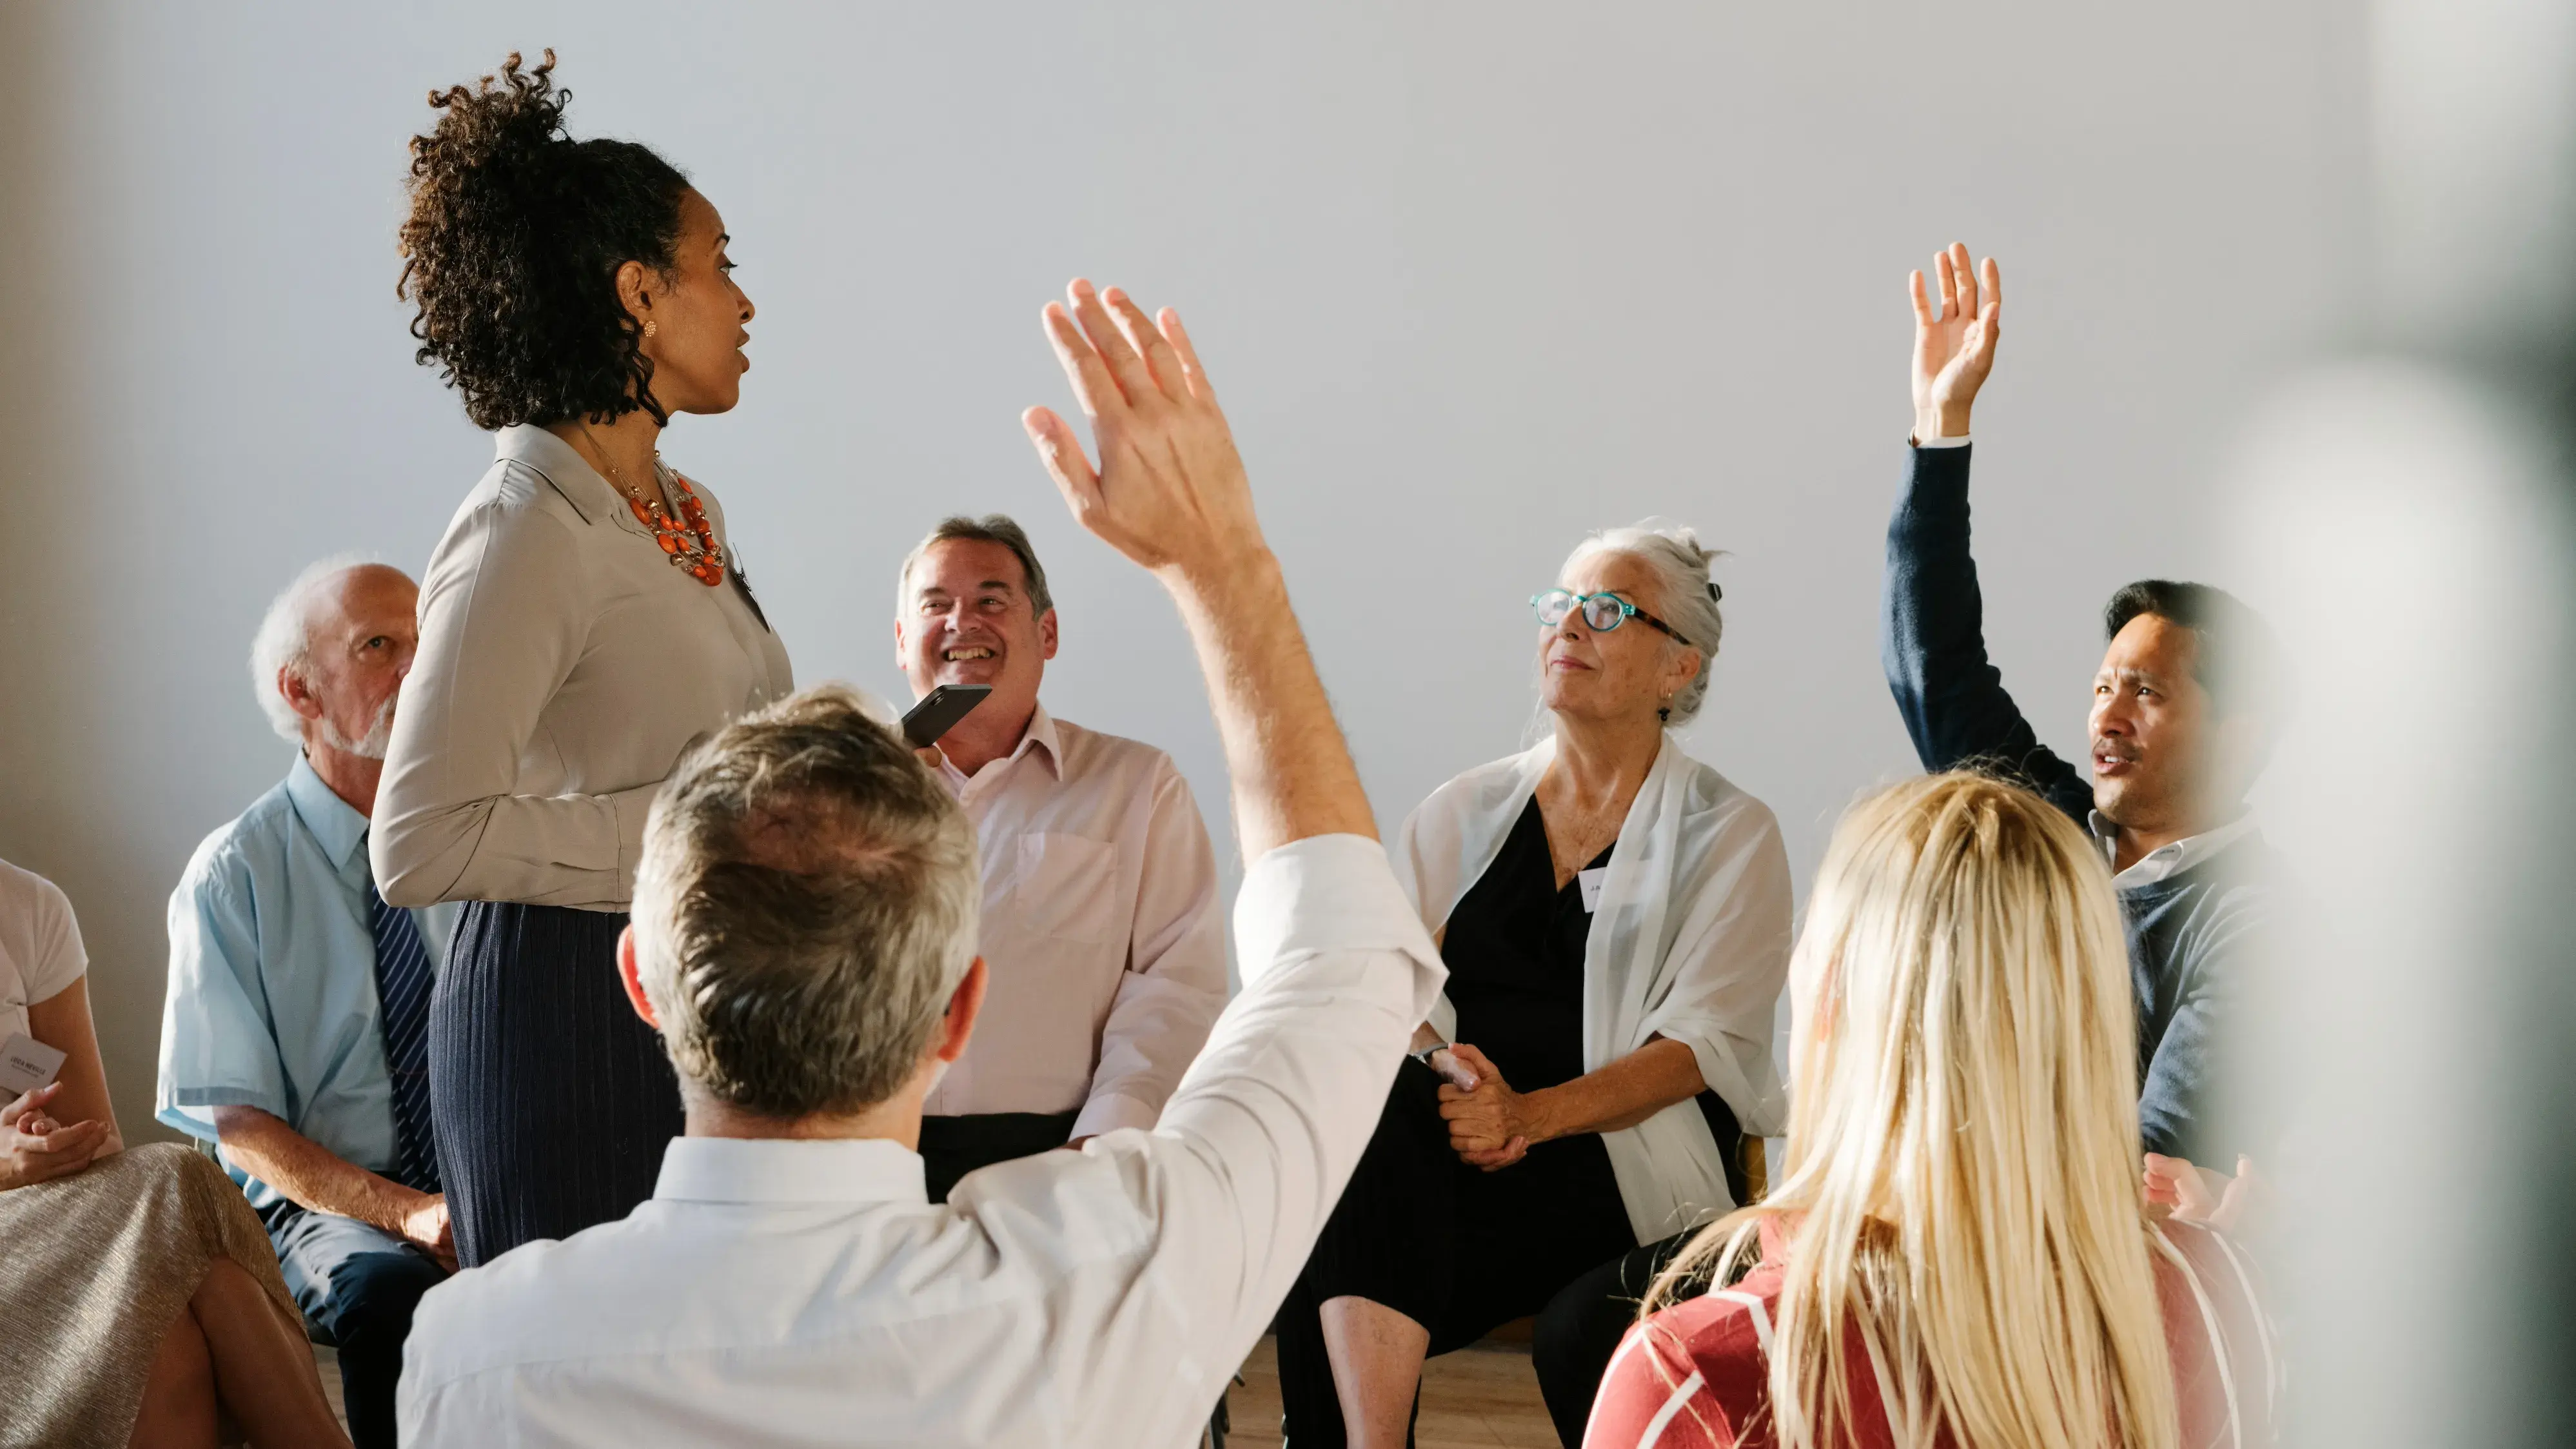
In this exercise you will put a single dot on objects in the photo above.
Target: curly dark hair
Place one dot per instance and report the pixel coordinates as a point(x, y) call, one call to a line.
point(512, 248)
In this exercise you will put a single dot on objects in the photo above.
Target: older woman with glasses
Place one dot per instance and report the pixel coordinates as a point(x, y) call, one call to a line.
point(1616, 920)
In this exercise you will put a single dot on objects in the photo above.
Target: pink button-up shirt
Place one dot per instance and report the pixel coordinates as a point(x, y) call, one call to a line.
point(1100, 929)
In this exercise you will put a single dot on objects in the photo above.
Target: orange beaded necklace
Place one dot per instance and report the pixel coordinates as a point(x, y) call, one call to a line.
point(688, 541)
point(690, 545)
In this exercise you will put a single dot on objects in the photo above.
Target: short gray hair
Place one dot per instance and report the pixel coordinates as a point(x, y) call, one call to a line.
point(1685, 597)
point(285, 641)
point(998, 528)
point(805, 906)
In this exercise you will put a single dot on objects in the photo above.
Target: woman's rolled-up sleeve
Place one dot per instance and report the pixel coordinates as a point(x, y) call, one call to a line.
point(1730, 959)
point(505, 613)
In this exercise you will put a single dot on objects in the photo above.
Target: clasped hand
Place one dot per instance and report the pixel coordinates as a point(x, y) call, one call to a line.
point(1490, 1125)
point(2192, 1194)
point(36, 1148)
point(426, 1224)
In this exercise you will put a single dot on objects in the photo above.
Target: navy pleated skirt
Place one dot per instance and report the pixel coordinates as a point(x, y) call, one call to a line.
point(552, 1100)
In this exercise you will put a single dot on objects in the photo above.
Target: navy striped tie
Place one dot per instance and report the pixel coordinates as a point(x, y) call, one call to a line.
point(402, 988)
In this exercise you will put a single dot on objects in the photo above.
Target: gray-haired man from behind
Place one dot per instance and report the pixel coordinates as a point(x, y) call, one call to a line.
point(804, 937)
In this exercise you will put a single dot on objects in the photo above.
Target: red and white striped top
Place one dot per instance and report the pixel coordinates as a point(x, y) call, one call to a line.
point(1696, 1375)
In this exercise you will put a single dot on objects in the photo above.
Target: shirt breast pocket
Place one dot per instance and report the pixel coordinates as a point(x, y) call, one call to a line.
point(1068, 888)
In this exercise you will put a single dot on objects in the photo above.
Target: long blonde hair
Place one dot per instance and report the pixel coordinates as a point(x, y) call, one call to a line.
point(1961, 1181)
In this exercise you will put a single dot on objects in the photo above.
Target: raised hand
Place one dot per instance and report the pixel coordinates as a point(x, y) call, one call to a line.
point(1954, 348)
point(1169, 491)
point(36, 1148)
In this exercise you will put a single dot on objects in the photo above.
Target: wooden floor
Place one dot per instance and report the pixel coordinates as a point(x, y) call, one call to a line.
point(328, 1361)
point(1483, 1397)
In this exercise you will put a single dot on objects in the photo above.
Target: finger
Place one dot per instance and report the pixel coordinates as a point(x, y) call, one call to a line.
point(1949, 284)
point(1191, 372)
point(1922, 299)
point(1455, 1072)
point(1993, 279)
point(1967, 279)
point(26, 1101)
point(1062, 454)
point(1990, 325)
point(1093, 386)
point(1114, 349)
point(1141, 334)
point(78, 1137)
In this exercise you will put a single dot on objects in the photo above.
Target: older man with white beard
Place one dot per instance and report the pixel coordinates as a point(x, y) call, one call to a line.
point(294, 1030)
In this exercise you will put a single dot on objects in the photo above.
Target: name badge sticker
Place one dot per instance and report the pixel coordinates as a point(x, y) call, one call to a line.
point(26, 1064)
point(1592, 881)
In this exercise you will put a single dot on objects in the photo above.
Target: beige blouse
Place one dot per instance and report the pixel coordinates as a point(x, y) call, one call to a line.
point(564, 666)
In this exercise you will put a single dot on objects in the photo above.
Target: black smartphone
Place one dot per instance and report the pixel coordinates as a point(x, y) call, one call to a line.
point(939, 712)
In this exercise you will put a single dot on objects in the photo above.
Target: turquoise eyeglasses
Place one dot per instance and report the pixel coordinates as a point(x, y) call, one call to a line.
point(1603, 612)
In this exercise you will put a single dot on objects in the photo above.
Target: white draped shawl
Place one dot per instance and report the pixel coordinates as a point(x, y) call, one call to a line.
point(1689, 941)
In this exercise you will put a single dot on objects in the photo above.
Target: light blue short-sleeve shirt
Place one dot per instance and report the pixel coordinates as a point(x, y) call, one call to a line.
point(272, 997)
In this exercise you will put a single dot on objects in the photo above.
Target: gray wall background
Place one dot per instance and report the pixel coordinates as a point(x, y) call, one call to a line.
point(1472, 279)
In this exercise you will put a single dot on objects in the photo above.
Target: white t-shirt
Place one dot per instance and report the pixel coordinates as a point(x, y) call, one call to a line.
point(40, 945)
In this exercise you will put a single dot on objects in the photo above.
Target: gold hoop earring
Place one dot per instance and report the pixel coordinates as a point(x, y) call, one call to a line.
point(650, 326)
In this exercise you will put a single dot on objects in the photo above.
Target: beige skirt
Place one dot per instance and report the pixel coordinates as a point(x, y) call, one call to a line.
point(94, 1268)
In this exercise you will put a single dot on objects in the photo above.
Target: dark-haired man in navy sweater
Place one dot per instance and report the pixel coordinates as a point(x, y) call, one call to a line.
point(2180, 728)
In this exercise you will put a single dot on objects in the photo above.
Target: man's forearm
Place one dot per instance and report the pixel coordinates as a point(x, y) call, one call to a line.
point(1291, 772)
point(311, 1175)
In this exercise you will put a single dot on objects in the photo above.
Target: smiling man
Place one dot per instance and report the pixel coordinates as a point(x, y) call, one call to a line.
point(1100, 921)
point(2181, 724)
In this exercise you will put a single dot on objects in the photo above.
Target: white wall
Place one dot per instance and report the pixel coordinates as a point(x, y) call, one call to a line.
point(1472, 278)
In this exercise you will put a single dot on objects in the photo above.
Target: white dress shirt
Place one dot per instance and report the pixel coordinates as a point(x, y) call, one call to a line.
point(564, 666)
point(1100, 929)
point(2169, 859)
point(1689, 942)
point(802, 1292)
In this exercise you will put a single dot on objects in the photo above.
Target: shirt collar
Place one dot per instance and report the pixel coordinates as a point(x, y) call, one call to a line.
point(1040, 738)
point(2169, 859)
point(790, 1170)
point(333, 822)
point(554, 460)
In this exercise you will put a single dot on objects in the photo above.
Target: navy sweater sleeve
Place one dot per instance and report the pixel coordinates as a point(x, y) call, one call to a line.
point(1933, 641)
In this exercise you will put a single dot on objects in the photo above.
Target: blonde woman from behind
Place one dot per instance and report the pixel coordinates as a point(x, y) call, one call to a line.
point(1956, 1253)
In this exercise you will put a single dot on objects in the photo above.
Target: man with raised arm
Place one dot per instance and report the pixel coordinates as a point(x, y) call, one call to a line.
point(2181, 724)
point(804, 935)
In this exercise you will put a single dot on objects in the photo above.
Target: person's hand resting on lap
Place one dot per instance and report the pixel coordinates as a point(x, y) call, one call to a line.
point(35, 1148)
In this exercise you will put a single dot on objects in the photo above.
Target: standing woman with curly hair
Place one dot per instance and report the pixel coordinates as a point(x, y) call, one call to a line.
point(583, 621)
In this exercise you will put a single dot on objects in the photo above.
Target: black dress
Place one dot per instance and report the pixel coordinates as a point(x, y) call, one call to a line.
point(1457, 1249)
point(571, 1101)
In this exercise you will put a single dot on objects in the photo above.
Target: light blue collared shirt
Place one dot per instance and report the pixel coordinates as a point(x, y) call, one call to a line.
point(272, 999)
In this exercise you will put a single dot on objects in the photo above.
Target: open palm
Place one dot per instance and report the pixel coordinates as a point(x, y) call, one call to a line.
point(1954, 346)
